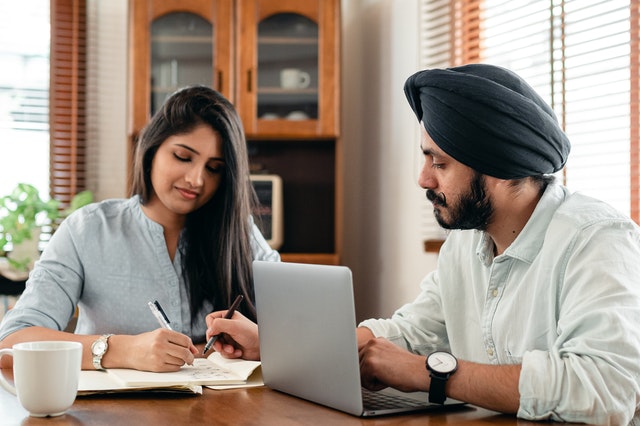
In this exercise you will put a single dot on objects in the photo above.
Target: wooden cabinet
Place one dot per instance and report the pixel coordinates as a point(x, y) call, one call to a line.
point(278, 62)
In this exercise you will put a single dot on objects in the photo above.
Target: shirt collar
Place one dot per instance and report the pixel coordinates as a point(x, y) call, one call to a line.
point(155, 230)
point(527, 245)
point(143, 219)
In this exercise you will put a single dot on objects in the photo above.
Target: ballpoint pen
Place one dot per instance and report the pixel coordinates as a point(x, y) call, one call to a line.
point(229, 314)
point(158, 312)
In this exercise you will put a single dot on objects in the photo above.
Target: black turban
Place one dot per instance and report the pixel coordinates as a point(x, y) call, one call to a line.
point(489, 119)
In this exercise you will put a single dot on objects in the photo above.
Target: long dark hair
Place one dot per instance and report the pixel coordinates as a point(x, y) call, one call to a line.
point(215, 242)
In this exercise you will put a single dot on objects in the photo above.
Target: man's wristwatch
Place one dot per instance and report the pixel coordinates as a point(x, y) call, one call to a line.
point(441, 365)
point(98, 349)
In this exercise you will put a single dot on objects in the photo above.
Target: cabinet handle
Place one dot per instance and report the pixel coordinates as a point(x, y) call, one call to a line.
point(249, 80)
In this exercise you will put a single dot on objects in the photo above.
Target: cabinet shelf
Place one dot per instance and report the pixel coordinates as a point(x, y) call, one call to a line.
point(287, 92)
point(181, 39)
point(311, 41)
point(321, 258)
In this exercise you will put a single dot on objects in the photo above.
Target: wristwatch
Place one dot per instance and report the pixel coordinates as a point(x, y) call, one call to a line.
point(441, 365)
point(98, 349)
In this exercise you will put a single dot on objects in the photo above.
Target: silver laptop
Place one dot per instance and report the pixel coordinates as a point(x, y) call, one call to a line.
point(308, 340)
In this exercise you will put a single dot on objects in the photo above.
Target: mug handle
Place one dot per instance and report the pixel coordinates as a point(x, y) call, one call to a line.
point(305, 79)
point(3, 381)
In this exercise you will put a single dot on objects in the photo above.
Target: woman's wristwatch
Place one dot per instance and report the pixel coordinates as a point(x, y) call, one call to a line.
point(98, 349)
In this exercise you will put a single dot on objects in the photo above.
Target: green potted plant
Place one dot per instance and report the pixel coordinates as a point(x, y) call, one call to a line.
point(22, 214)
point(82, 198)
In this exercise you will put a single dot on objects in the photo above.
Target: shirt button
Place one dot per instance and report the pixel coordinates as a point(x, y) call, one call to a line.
point(490, 352)
point(494, 292)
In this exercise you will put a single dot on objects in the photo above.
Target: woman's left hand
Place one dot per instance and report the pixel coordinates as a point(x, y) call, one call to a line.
point(238, 335)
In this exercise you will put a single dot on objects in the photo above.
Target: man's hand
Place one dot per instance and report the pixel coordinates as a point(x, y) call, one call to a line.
point(384, 364)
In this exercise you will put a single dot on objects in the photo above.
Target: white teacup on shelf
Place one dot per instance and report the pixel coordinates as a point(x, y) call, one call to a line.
point(297, 115)
point(269, 116)
point(294, 78)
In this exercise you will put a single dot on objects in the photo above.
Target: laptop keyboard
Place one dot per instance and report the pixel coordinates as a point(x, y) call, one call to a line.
point(380, 401)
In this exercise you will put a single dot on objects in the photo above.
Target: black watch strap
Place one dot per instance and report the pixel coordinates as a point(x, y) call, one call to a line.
point(441, 365)
point(437, 393)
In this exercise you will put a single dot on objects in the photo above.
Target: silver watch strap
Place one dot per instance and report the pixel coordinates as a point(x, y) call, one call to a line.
point(97, 359)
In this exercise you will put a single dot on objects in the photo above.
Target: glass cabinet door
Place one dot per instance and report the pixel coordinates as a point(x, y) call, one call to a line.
point(287, 47)
point(181, 54)
point(173, 43)
point(288, 68)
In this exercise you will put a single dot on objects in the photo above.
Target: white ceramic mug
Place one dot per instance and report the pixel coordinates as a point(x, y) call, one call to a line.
point(294, 78)
point(45, 376)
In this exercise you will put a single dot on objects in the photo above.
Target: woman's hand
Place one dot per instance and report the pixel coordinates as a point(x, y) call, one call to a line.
point(238, 336)
point(159, 350)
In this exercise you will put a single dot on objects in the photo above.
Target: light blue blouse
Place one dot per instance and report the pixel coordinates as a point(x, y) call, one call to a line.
point(110, 260)
point(563, 300)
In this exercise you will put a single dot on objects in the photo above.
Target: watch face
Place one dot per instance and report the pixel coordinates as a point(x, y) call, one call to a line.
point(442, 362)
point(99, 347)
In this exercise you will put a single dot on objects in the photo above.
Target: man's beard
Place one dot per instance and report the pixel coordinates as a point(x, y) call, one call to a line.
point(473, 209)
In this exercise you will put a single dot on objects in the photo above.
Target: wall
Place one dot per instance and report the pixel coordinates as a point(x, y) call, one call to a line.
point(107, 98)
point(383, 204)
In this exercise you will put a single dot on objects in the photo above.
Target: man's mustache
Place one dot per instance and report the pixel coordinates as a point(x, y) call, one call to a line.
point(438, 199)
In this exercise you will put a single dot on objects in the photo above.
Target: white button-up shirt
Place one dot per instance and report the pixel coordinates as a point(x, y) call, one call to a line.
point(563, 301)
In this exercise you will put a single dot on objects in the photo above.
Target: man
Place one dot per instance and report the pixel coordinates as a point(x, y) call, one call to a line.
point(536, 292)
point(534, 307)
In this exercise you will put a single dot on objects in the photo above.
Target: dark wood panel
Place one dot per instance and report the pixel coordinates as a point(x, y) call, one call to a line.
point(307, 169)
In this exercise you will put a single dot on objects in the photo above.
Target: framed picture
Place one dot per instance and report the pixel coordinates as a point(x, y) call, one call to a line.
point(269, 215)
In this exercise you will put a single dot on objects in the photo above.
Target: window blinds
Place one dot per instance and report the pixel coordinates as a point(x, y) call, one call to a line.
point(67, 99)
point(580, 55)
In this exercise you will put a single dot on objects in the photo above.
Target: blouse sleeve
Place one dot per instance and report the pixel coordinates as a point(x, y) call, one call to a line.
point(52, 290)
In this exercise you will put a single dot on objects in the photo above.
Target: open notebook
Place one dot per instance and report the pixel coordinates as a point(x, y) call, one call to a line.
point(308, 341)
point(213, 371)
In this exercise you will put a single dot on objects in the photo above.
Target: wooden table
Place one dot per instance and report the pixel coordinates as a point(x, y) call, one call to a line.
point(249, 406)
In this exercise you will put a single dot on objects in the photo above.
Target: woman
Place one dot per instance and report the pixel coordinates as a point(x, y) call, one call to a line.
point(185, 238)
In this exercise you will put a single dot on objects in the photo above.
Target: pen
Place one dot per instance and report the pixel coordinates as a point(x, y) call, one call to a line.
point(229, 314)
point(157, 312)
